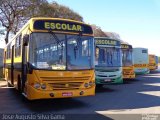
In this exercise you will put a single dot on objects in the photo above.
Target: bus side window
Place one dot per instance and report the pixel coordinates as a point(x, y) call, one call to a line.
point(18, 46)
point(4, 59)
point(8, 52)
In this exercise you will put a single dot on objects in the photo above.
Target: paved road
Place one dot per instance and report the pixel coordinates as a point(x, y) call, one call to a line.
point(138, 96)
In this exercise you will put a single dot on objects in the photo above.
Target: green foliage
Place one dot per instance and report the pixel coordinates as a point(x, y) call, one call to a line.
point(15, 13)
point(98, 31)
point(64, 12)
point(113, 35)
point(12, 15)
point(54, 10)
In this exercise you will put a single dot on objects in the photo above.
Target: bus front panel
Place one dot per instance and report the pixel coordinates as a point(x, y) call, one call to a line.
point(60, 84)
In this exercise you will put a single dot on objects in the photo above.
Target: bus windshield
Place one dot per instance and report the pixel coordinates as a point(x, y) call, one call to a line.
point(68, 52)
point(108, 56)
point(127, 58)
point(156, 59)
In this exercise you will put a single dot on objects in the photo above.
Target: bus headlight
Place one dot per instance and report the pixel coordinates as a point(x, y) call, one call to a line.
point(37, 85)
point(90, 83)
point(86, 85)
point(43, 86)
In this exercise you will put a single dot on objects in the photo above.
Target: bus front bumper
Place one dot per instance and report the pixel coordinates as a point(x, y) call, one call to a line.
point(142, 72)
point(152, 67)
point(33, 93)
point(132, 76)
point(117, 80)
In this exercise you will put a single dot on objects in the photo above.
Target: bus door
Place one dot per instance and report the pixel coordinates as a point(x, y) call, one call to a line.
point(24, 64)
point(12, 66)
point(4, 63)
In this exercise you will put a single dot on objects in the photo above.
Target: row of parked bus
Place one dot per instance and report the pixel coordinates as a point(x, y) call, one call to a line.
point(60, 58)
point(116, 60)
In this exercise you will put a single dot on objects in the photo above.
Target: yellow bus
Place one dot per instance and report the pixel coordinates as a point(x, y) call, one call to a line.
point(152, 62)
point(51, 58)
point(108, 61)
point(127, 61)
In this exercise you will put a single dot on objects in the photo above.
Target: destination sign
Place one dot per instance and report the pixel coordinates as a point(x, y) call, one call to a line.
point(107, 42)
point(125, 46)
point(61, 25)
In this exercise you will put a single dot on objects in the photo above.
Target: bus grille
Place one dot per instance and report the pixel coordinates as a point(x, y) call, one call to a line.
point(110, 70)
point(152, 64)
point(106, 75)
point(127, 71)
point(50, 79)
point(67, 85)
point(57, 83)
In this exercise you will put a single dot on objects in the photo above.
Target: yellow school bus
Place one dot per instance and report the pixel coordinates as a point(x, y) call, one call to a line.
point(152, 62)
point(51, 58)
point(127, 61)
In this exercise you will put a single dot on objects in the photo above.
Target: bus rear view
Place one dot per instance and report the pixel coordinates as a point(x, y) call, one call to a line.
point(141, 60)
point(108, 61)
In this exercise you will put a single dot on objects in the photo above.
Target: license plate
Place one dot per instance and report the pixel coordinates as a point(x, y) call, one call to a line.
point(66, 94)
point(107, 80)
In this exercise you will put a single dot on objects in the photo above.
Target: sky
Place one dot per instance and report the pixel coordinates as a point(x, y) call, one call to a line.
point(136, 21)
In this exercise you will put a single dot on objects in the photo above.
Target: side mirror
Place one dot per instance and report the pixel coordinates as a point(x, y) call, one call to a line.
point(25, 40)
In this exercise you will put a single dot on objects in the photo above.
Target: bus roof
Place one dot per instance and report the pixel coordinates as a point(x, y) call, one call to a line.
point(126, 45)
point(32, 20)
point(50, 18)
point(107, 38)
point(152, 55)
point(141, 48)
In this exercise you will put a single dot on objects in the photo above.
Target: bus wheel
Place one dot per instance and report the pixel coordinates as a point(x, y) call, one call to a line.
point(19, 84)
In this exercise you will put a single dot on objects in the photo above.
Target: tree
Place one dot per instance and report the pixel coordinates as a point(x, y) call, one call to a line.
point(11, 14)
point(113, 35)
point(15, 13)
point(57, 11)
point(98, 31)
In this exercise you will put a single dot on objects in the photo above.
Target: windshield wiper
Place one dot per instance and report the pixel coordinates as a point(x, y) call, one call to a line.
point(58, 42)
point(112, 59)
point(56, 38)
point(109, 58)
point(78, 38)
point(77, 44)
